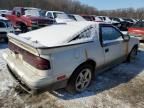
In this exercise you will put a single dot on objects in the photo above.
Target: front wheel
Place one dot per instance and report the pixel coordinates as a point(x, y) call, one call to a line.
point(81, 79)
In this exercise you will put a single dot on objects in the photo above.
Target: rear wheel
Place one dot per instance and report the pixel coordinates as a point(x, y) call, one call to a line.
point(133, 53)
point(80, 79)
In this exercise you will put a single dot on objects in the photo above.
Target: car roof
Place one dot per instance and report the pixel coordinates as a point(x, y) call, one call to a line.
point(58, 34)
point(56, 11)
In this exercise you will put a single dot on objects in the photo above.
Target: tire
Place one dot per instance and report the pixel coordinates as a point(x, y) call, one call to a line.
point(80, 79)
point(6, 39)
point(133, 53)
point(23, 28)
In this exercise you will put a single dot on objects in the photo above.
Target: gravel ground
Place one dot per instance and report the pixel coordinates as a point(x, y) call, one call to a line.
point(120, 87)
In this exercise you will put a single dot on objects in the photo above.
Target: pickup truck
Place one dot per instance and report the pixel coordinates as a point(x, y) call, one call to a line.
point(27, 18)
point(67, 55)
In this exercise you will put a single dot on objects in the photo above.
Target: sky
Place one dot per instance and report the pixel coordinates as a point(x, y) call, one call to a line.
point(114, 4)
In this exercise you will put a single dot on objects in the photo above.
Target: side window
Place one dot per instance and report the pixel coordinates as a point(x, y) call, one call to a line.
point(86, 34)
point(110, 33)
point(2, 25)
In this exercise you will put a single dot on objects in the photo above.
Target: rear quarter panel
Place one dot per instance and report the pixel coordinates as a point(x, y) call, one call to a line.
point(64, 62)
point(132, 42)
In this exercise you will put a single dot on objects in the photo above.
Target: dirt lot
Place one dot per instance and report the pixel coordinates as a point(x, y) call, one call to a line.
point(120, 87)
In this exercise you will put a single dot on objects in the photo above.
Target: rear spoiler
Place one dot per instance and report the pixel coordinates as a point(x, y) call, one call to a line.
point(15, 38)
point(28, 43)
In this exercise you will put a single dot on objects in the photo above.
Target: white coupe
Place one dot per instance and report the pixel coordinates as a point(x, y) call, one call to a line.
point(66, 55)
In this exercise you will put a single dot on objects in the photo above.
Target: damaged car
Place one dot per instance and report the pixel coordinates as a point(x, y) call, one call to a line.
point(66, 55)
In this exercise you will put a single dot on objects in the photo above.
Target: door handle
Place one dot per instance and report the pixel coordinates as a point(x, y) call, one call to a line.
point(107, 50)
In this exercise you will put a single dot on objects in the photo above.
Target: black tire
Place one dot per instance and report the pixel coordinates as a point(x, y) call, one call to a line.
point(72, 86)
point(133, 54)
point(23, 28)
point(6, 39)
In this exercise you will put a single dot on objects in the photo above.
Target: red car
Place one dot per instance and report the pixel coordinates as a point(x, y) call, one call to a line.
point(137, 30)
point(27, 18)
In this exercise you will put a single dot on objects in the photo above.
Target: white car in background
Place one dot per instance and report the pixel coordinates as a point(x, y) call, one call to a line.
point(5, 12)
point(5, 28)
point(76, 17)
point(105, 19)
point(66, 55)
point(58, 16)
point(108, 20)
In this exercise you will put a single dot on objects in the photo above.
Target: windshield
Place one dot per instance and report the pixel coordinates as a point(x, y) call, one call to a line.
point(34, 12)
point(128, 20)
point(79, 18)
point(60, 15)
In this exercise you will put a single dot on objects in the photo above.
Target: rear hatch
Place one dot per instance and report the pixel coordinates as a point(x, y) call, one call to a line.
point(26, 51)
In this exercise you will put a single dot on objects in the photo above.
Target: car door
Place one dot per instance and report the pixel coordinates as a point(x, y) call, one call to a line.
point(114, 46)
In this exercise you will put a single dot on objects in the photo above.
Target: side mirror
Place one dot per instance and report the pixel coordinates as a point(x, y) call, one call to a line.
point(126, 37)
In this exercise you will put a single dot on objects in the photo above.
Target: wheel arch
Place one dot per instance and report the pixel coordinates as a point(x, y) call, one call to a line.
point(89, 62)
point(20, 23)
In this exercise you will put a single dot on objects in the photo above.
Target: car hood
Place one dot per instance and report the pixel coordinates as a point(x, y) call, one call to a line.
point(58, 20)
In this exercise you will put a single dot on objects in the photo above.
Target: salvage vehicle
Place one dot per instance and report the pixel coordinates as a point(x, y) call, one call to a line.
point(108, 20)
point(88, 17)
point(137, 30)
point(27, 18)
point(124, 24)
point(58, 16)
point(5, 27)
point(66, 55)
point(4, 12)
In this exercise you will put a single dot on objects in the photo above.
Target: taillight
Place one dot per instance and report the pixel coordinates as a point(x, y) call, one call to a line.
point(32, 59)
point(36, 61)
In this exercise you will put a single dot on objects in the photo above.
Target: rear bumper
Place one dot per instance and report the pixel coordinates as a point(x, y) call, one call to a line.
point(32, 90)
point(30, 82)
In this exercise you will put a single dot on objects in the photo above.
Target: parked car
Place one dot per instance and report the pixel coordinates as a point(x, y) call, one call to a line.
point(4, 12)
point(133, 21)
point(91, 18)
point(76, 17)
point(5, 27)
point(137, 30)
point(130, 21)
point(108, 20)
point(105, 19)
point(66, 55)
point(124, 24)
point(58, 16)
point(88, 17)
point(27, 18)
